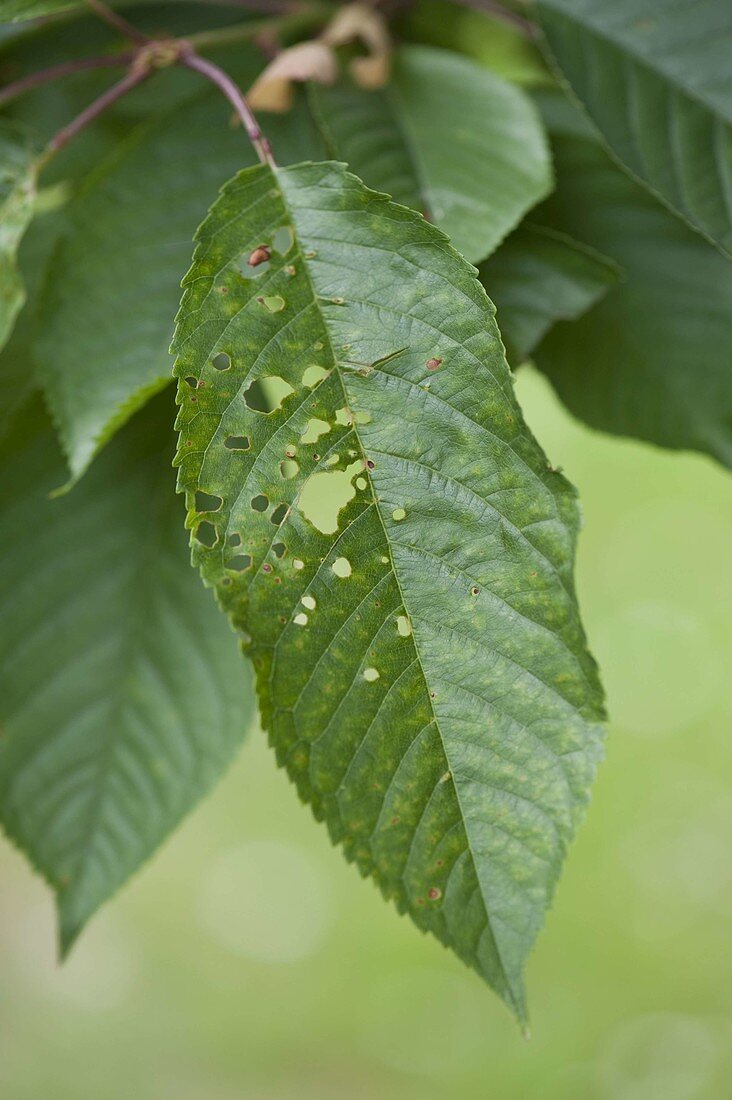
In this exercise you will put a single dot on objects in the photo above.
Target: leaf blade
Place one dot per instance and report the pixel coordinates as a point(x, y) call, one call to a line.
point(122, 696)
point(446, 137)
point(631, 366)
point(336, 606)
point(17, 197)
point(656, 80)
point(538, 277)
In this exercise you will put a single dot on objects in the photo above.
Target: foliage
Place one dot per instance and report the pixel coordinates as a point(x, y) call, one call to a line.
point(386, 536)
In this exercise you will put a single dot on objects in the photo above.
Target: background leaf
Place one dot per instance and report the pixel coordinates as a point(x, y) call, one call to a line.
point(420, 661)
point(655, 76)
point(17, 195)
point(654, 359)
point(122, 696)
point(447, 138)
point(538, 277)
point(114, 280)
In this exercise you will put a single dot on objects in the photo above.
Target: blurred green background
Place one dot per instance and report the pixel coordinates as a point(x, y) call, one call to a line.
point(249, 962)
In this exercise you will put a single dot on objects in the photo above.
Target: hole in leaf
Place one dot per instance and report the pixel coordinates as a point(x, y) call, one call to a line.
point(289, 468)
point(234, 539)
point(222, 361)
point(361, 482)
point(240, 562)
point(267, 394)
point(206, 534)
point(309, 602)
point(324, 494)
point(344, 416)
point(260, 503)
point(315, 428)
point(370, 674)
point(301, 619)
point(207, 502)
point(279, 514)
point(237, 442)
point(398, 515)
point(279, 549)
point(191, 381)
point(283, 239)
point(404, 627)
point(314, 374)
point(342, 567)
point(298, 564)
point(275, 303)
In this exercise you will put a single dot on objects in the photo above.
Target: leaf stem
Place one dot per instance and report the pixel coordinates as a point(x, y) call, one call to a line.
point(233, 93)
point(66, 68)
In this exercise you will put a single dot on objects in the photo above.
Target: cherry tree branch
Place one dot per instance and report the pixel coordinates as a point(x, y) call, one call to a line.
point(66, 68)
point(117, 21)
point(233, 93)
point(136, 75)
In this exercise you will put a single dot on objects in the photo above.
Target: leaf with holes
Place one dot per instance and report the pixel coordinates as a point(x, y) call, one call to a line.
point(17, 195)
point(122, 696)
point(112, 285)
point(393, 541)
point(538, 277)
point(655, 76)
point(447, 138)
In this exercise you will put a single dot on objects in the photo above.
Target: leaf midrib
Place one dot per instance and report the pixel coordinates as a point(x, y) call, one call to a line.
point(337, 368)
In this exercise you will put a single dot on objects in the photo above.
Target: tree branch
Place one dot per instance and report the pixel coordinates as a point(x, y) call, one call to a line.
point(67, 68)
point(136, 75)
point(217, 76)
point(114, 20)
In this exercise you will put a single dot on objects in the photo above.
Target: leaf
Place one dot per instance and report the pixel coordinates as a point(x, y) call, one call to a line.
point(655, 76)
point(122, 696)
point(114, 280)
point(654, 359)
point(539, 276)
point(14, 11)
point(447, 138)
point(17, 195)
point(406, 580)
point(486, 36)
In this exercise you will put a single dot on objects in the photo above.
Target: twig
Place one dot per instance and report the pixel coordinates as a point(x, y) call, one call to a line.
point(117, 21)
point(67, 68)
point(217, 76)
point(136, 75)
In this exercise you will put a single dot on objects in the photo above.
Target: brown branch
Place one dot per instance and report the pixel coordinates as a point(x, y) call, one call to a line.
point(117, 21)
point(136, 75)
point(217, 76)
point(67, 68)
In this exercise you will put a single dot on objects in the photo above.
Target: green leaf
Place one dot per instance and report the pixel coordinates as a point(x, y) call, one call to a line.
point(122, 696)
point(114, 281)
point(488, 37)
point(654, 359)
point(655, 76)
point(17, 195)
point(447, 138)
point(538, 277)
point(14, 11)
point(406, 578)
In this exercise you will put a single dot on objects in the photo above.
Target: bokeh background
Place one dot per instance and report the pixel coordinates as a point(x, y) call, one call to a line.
point(249, 962)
